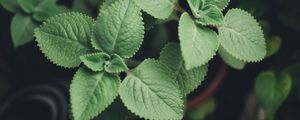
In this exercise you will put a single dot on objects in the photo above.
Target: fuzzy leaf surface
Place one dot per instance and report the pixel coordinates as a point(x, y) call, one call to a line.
point(221, 4)
point(188, 80)
point(160, 9)
point(198, 43)
point(230, 60)
point(150, 92)
point(92, 92)
point(242, 37)
point(119, 29)
point(95, 61)
point(65, 37)
point(272, 90)
point(116, 64)
point(209, 15)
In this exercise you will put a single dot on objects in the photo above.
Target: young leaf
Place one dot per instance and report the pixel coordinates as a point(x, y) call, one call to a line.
point(10, 5)
point(272, 90)
point(195, 6)
point(115, 65)
point(92, 92)
point(46, 9)
point(188, 80)
point(22, 28)
point(209, 15)
point(150, 92)
point(242, 37)
point(221, 4)
point(119, 29)
point(65, 37)
point(231, 61)
point(95, 61)
point(160, 9)
point(198, 43)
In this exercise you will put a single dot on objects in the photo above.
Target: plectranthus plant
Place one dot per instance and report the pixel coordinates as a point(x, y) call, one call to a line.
point(156, 88)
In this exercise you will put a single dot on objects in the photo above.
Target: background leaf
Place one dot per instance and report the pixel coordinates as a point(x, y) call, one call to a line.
point(160, 9)
point(10, 5)
point(46, 9)
point(198, 43)
point(22, 29)
point(272, 90)
point(242, 37)
point(203, 110)
point(150, 92)
point(65, 37)
point(119, 29)
point(188, 80)
point(92, 92)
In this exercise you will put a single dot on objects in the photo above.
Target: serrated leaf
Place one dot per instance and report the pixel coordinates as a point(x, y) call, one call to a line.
point(92, 92)
point(150, 92)
point(65, 37)
point(272, 90)
point(46, 9)
point(209, 15)
point(10, 5)
point(95, 61)
point(160, 9)
point(221, 4)
point(188, 80)
point(195, 6)
point(230, 60)
point(119, 29)
point(116, 64)
point(242, 37)
point(198, 43)
point(22, 29)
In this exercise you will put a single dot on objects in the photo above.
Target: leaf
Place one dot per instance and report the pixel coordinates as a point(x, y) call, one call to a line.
point(242, 37)
point(160, 9)
point(92, 92)
point(273, 45)
point(46, 9)
point(294, 71)
point(115, 65)
point(272, 90)
point(119, 29)
point(95, 61)
point(198, 43)
point(221, 4)
point(65, 37)
point(203, 110)
point(195, 6)
point(230, 60)
point(28, 5)
point(22, 29)
point(10, 5)
point(210, 15)
point(188, 80)
point(150, 92)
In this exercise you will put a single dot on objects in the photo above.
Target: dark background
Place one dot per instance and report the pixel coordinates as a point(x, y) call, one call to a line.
point(32, 88)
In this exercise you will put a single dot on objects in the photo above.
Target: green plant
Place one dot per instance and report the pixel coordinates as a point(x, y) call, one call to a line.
point(155, 89)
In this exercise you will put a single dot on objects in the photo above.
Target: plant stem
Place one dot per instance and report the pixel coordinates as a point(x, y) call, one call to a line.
point(201, 97)
point(179, 8)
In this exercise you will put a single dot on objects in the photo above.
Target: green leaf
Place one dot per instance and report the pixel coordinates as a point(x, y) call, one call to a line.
point(294, 71)
point(46, 9)
point(221, 4)
point(242, 37)
point(210, 15)
point(160, 9)
point(119, 29)
point(203, 110)
point(150, 92)
point(92, 92)
point(230, 60)
point(95, 61)
point(273, 45)
point(188, 80)
point(272, 90)
point(115, 65)
point(10, 5)
point(22, 29)
point(198, 43)
point(29, 5)
point(195, 6)
point(65, 37)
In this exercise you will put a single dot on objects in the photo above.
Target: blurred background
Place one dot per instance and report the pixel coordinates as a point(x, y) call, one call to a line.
point(32, 88)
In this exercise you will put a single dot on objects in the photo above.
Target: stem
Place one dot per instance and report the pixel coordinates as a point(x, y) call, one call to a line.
point(179, 8)
point(201, 97)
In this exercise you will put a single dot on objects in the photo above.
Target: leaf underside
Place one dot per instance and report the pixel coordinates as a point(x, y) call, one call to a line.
point(230, 60)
